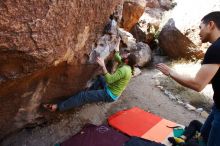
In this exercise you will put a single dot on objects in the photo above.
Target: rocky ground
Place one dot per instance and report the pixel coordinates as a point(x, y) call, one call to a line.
point(142, 92)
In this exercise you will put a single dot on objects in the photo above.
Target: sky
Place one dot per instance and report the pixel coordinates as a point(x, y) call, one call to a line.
point(189, 13)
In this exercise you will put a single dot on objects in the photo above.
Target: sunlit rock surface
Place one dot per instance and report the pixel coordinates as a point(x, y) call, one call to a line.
point(132, 11)
point(44, 49)
point(176, 45)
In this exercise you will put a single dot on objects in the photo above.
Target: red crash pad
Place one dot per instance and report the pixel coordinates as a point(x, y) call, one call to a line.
point(137, 122)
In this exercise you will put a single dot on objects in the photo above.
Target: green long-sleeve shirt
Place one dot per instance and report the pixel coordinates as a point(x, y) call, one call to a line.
point(118, 81)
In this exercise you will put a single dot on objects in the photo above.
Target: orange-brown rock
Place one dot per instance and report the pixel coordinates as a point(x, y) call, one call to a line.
point(177, 45)
point(132, 11)
point(44, 49)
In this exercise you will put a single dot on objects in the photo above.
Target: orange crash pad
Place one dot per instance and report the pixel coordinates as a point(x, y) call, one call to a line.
point(137, 122)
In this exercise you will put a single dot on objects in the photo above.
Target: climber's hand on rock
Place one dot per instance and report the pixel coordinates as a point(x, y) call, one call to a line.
point(117, 44)
point(100, 61)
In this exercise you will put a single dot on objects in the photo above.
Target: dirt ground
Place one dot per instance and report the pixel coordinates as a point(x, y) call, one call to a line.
point(141, 92)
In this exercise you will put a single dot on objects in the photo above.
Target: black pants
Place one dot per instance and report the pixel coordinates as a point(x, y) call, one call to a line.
point(190, 131)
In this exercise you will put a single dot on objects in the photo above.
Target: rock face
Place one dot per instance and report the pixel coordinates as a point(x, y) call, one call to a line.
point(144, 54)
point(128, 39)
point(166, 4)
point(152, 3)
point(176, 45)
point(44, 49)
point(142, 36)
point(140, 49)
point(139, 34)
point(132, 11)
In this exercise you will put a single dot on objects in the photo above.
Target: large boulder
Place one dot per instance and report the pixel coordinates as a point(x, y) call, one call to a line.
point(138, 34)
point(142, 36)
point(143, 54)
point(166, 4)
point(152, 4)
point(132, 11)
point(188, 21)
point(128, 39)
point(104, 46)
point(140, 49)
point(176, 45)
point(44, 49)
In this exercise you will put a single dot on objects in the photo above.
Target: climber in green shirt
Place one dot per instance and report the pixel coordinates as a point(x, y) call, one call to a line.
point(118, 81)
point(107, 88)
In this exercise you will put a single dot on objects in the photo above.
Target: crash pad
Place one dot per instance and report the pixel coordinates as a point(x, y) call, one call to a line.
point(92, 135)
point(143, 124)
point(136, 141)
